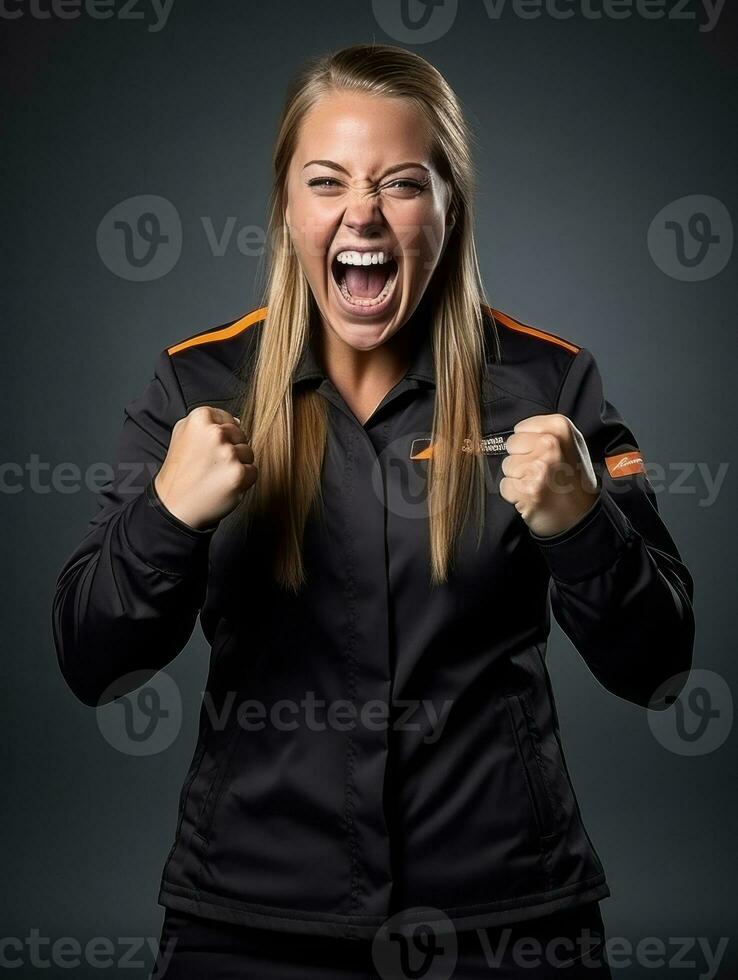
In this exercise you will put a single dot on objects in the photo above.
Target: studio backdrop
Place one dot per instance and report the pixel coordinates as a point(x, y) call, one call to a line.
point(138, 143)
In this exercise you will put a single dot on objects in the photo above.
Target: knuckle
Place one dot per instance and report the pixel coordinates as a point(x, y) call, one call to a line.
point(235, 476)
point(550, 441)
point(219, 436)
point(199, 413)
point(247, 476)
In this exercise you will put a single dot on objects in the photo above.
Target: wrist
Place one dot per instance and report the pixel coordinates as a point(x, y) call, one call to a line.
point(174, 510)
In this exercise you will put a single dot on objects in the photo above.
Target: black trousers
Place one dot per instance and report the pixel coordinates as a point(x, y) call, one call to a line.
point(566, 945)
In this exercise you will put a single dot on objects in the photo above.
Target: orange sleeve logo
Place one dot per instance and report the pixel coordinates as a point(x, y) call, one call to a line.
point(625, 464)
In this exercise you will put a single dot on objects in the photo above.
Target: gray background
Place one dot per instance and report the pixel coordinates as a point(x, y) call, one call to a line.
point(586, 129)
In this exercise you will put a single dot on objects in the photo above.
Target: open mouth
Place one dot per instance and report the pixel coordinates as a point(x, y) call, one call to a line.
point(365, 285)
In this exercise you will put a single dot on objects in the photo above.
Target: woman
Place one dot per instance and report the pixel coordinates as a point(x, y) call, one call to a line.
point(366, 487)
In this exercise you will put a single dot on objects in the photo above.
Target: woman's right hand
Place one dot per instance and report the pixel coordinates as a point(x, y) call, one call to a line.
point(208, 467)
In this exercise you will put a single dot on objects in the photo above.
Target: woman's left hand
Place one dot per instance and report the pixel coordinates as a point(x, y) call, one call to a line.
point(548, 473)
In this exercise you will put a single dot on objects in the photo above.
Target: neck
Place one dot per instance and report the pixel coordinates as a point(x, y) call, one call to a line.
point(364, 377)
point(379, 368)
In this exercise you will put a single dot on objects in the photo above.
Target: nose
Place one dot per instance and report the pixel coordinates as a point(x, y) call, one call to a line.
point(363, 214)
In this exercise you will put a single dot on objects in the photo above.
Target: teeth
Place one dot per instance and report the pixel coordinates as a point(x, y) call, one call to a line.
point(363, 258)
point(354, 301)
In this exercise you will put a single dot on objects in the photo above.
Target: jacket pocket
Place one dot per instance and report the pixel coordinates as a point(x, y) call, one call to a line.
point(207, 810)
point(183, 795)
point(191, 776)
point(525, 733)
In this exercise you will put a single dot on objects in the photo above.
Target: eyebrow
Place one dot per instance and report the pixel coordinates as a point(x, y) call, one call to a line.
point(390, 170)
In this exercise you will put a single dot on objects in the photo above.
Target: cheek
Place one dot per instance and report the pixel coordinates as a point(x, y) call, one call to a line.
point(421, 234)
point(310, 222)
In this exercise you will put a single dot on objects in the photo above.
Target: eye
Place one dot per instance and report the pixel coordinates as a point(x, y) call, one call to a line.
point(407, 183)
point(399, 184)
point(321, 181)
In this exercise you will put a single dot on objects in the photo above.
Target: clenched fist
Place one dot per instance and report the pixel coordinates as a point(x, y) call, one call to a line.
point(548, 473)
point(208, 467)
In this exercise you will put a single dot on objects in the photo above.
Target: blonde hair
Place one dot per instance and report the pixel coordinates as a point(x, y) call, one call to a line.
point(287, 435)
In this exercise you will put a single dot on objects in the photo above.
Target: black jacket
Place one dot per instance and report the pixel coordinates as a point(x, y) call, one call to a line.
point(297, 814)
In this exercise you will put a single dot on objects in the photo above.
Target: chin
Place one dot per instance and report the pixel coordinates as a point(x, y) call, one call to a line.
point(365, 336)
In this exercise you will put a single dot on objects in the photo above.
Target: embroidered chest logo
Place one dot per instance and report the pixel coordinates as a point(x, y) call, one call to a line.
point(625, 464)
point(493, 444)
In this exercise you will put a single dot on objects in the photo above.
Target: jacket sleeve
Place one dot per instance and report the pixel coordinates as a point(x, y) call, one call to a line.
point(128, 596)
point(619, 588)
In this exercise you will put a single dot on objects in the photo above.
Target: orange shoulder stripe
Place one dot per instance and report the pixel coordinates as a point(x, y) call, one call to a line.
point(223, 334)
point(251, 318)
point(533, 331)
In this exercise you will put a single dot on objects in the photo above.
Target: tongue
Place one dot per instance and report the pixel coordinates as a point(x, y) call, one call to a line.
point(366, 282)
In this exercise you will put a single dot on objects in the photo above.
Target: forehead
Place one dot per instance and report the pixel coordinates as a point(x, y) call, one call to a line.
point(362, 133)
